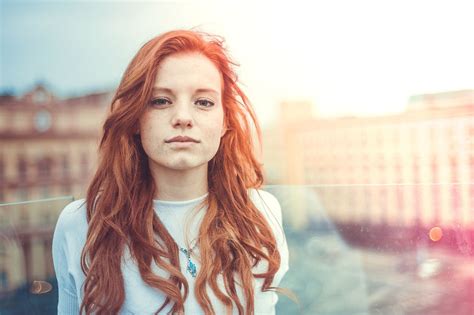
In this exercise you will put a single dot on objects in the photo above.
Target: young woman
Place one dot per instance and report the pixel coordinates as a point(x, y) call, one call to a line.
point(174, 220)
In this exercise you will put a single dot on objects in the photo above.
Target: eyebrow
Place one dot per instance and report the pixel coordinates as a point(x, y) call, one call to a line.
point(200, 90)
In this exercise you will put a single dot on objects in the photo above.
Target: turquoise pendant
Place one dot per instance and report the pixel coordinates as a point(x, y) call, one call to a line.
point(191, 266)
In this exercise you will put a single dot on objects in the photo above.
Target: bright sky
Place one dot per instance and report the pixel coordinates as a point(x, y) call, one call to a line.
point(347, 57)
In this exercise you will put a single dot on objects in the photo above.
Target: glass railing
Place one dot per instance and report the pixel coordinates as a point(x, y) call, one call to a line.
point(378, 249)
point(27, 280)
point(354, 249)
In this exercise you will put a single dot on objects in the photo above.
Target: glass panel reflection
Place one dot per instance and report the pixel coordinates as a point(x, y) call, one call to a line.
point(27, 280)
point(352, 251)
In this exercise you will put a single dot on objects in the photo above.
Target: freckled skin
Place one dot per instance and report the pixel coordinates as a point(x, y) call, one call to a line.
point(183, 113)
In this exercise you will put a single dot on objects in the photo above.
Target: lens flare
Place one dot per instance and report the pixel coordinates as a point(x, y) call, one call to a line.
point(40, 287)
point(436, 233)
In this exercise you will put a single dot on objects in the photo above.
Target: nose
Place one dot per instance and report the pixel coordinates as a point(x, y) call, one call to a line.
point(182, 117)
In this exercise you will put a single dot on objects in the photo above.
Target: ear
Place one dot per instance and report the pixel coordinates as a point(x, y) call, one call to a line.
point(136, 132)
point(136, 129)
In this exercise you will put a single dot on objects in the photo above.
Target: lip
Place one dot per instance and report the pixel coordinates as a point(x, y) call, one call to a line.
point(181, 139)
point(181, 145)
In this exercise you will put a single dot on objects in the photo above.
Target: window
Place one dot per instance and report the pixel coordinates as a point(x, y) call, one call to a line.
point(65, 166)
point(44, 169)
point(22, 169)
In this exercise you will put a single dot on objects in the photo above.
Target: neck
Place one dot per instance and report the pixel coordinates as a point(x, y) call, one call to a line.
point(180, 185)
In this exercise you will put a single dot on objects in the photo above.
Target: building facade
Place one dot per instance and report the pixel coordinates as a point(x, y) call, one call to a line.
point(414, 168)
point(47, 150)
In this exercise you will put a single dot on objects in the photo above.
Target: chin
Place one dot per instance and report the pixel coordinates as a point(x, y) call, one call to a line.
point(181, 167)
point(186, 165)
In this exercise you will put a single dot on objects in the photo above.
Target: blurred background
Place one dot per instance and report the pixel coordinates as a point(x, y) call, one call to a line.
point(367, 111)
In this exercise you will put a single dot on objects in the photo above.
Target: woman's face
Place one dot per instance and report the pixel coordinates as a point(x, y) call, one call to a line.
point(186, 102)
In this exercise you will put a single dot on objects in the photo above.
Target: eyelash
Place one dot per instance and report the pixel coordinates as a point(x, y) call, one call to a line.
point(153, 101)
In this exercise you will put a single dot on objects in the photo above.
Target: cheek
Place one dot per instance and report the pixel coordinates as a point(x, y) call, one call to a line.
point(216, 129)
point(146, 143)
point(215, 135)
point(149, 125)
point(210, 128)
point(149, 136)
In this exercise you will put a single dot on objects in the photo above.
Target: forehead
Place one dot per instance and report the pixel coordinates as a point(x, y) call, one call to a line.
point(188, 71)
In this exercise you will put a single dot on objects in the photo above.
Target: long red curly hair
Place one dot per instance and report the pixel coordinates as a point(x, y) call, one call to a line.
point(234, 236)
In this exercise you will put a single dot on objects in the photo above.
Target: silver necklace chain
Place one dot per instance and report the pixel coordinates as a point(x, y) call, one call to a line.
point(191, 266)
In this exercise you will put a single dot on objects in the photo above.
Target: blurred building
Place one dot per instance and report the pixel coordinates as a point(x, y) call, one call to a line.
point(278, 144)
point(48, 146)
point(47, 149)
point(414, 168)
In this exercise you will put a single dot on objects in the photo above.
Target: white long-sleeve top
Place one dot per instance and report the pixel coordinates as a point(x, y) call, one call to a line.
point(70, 236)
